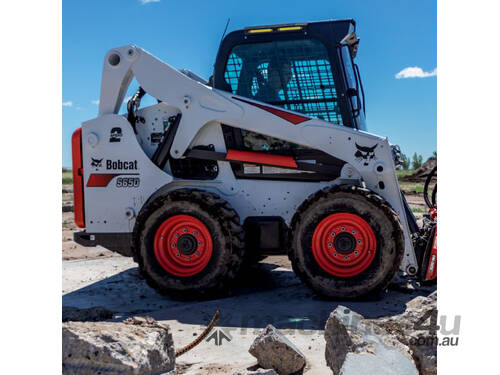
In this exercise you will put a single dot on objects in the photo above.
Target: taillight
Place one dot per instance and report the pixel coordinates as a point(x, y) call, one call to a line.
point(76, 145)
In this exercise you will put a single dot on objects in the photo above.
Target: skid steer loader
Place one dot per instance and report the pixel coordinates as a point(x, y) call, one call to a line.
point(270, 156)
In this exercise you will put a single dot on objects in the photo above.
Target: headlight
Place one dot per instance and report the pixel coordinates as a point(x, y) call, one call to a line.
point(396, 155)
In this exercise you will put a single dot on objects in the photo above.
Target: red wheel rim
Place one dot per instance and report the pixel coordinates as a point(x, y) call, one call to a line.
point(344, 244)
point(183, 245)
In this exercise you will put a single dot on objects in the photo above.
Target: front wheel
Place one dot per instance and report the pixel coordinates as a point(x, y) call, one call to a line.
point(347, 242)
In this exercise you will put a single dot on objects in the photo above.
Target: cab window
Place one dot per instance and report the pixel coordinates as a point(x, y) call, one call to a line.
point(293, 74)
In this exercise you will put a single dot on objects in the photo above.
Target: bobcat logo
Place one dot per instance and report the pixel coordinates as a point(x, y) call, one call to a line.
point(96, 163)
point(365, 153)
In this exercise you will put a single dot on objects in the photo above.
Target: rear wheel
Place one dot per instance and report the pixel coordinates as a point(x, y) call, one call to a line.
point(347, 242)
point(189, 244)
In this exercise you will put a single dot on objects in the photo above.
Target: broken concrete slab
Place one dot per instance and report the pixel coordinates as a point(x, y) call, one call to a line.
point(422, 342)
point(274, 351)
point(355, 345)
point(132, 347)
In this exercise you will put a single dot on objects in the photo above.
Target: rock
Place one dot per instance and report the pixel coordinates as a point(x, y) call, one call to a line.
point(355, 345)
point(136, 346)
point(422, 343)
point(274, 351)
point(260, 371)
point(93, 314)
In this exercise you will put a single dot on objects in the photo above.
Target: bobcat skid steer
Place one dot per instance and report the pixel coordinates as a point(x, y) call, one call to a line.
point(270, 156)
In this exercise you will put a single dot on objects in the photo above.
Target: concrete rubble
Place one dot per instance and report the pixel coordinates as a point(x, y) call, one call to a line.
point(355, 345)
point(421, 342)
point(137, 346)
point(274, 351)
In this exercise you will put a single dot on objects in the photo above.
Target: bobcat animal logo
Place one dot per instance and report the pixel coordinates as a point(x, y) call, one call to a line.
point(218, 335)
point(365, 153)
point(96, 163)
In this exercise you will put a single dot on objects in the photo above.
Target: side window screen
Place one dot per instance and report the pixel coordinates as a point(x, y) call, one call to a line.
point(293, 74)
point(233, 70)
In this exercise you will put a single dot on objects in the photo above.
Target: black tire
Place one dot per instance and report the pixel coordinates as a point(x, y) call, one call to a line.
point(223, 224)
point(381, 218)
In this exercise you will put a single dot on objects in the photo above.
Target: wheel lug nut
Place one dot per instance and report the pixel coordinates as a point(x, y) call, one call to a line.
point(184, 230)
point(195, 234)
point(197, 253)
point(330, 244)
point(334, 254)
point(176, 235)
point(333, 234)
point(178, 255)
point(346, 257)
point(342, 229)
point(173, 245)
point(199, 242)
point(356, 252)
point(353, 232)
point(359, 241)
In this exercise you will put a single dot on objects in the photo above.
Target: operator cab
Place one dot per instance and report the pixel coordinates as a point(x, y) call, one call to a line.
point(304, 67)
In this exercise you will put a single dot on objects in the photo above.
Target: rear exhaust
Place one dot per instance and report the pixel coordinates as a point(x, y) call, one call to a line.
point(76, 145)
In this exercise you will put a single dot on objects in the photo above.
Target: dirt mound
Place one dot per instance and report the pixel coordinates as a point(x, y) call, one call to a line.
point(422, 172)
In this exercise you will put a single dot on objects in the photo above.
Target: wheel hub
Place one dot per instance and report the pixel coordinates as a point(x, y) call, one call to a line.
point(183, 245)
point(344, 244)
point(187, 244)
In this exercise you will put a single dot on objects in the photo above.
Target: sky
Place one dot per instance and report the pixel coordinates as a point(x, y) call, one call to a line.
point(396, 56)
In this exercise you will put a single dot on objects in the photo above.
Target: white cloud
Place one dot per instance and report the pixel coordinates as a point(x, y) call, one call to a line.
point(68, 104)
point(415, 72)
point(148, 1)
point(96, 102)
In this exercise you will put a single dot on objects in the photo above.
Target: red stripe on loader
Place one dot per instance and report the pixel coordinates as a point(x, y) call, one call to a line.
point(290, 117)
point(101, 179)
point(261, 158)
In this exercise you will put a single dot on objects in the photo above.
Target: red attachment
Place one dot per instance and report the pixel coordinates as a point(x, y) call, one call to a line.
point(431, 273)
point(433, 212)
point(290, 117)
point(76, 146)
point(171, 257)
point(338, 263)
point(261, 158)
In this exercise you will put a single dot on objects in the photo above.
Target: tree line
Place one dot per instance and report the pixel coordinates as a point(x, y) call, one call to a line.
point(415, 162)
